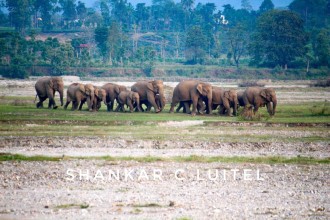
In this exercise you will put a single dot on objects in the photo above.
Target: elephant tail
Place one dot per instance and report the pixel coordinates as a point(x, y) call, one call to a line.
point(35, 98)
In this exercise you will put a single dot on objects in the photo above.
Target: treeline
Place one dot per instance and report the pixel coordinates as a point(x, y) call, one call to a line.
point(114, 33)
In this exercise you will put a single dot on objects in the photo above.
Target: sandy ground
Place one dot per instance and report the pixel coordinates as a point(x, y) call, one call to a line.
point(165, 190)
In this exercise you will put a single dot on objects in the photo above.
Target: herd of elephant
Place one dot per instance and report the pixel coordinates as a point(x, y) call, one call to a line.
point(202, 96)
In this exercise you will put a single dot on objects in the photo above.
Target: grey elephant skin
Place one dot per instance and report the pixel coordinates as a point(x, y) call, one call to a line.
point(225, 99)
point(46, 88)
point(192, 90)
point(99, 96)
point(130, 99)
point(78, 93)
point(260, 97)
point(148, 91)
point(112, 91)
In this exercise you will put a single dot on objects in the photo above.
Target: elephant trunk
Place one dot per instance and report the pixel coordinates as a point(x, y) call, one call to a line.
point(235, 105)
point(274, 105)
point(209, 103)
point(162, 99)
point(137, 102)
point(61, 96)
point(90, 106)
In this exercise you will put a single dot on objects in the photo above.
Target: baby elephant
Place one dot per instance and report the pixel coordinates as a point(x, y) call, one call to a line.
point(130, 99)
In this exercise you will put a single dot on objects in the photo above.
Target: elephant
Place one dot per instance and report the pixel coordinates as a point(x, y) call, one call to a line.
point(112, 92)
point(99, 96)
point(259, 97)
point(226, 99)
point(129, 98)
point(148, 91)
point(192, 90)
point(46, 88)
point(78, 93)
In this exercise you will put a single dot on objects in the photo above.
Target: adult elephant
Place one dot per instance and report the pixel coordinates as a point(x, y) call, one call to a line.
point(226, 99)
point(78, 93)
point(148, 90)
point(192, 90)
point(130, 99)
point(46, 88)
point(259, 97)
point(112, 92)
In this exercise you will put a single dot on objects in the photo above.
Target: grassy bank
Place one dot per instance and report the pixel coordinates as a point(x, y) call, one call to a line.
point(193, 158)
point(293, 122)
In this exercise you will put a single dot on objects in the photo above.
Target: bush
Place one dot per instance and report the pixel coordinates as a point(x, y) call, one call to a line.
point(251, 83)
point(321, 110)
point(16, 71)
point(322, 83)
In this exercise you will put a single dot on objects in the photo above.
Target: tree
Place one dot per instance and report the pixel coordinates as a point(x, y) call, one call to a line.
point(101, 38)
point(196, 44)
point(265, 6)
point(238, 37)
point(323, 48)
point(19, 13)
point(313, 12)
point(245, 4)
point(43, 13)
point(279, 38)
point(105, 12)
point(69, 11)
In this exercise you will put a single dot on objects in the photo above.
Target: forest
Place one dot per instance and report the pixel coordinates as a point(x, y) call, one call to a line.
point(184, 37)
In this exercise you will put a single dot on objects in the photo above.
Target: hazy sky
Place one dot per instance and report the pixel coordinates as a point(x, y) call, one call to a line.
point(219, 3)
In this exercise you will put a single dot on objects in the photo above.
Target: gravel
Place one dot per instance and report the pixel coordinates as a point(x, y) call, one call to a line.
point(95, 146)
point(38, 190)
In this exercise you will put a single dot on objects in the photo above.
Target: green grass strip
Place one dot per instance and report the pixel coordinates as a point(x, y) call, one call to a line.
point(179, 159)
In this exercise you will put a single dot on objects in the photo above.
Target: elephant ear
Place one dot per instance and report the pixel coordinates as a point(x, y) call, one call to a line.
point(200, 88)
point(227, 95)
point(96, 91)
point(263, 93)
point(51, 83)
point(117, 90)
point(82, 88)
point(151, 86)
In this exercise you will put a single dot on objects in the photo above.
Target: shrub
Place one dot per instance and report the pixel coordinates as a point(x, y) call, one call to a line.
point(322, 83)
point(250, 83)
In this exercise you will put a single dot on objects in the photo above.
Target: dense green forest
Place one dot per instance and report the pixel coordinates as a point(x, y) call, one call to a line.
point(115, 34)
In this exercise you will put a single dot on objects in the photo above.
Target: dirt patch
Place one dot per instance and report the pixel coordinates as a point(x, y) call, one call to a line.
point(186, 123)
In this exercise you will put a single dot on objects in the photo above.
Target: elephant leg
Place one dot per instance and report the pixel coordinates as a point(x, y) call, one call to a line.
point(131, 108)
point(186, 107)
point(255, 109)
point(74, 105)
point(110, 107)
point(40, 103)
point(179, 107)
point(81, 104)
point(151, 100)
point(270, 108)
point(148, 107)
point(66, 104)
point(175, 101)
point(194, 107)
point(117, 108)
